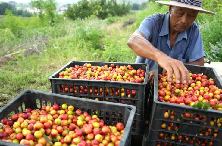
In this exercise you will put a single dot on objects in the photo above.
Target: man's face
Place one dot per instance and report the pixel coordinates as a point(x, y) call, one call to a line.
point(181, 18)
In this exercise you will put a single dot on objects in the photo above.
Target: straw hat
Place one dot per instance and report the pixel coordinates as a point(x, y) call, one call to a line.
point(190, 4)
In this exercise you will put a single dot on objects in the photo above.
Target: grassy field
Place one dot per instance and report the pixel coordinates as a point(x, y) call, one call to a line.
point(61, 45)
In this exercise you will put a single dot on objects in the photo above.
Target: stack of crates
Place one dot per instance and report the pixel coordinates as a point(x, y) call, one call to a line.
point(201, 129)
point(131, 93)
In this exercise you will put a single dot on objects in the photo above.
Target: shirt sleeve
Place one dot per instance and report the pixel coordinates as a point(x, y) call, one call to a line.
point(148, 25)
point(195, 50)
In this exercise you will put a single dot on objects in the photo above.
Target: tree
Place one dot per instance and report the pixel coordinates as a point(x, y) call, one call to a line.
point(26, 14)
point(4, 6)
point(70, 12)
point(13, 23)
point(102, 11)
point(143, 5)
point(100, 8)
point(135, 6)
point(47, 10)
point(50, 11)
point(39, 4)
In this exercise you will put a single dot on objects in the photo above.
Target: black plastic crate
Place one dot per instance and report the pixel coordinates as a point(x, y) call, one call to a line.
point(109, 112)
point(137, 91)
point(180, 130)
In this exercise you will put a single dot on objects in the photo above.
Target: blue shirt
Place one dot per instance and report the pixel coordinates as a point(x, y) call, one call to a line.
point(187, 48)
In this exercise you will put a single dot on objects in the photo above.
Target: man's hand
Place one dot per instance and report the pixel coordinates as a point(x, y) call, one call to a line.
point(173, 66)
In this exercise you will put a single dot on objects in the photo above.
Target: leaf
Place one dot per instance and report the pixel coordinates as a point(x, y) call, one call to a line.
point(205, 107)
point(200, 104)
point(177, 131)
point(194, 106)
point(82, 117)
point(207, 104)
point(54, 139)
point(47, 139)
point(1, 125)
point(216, 106)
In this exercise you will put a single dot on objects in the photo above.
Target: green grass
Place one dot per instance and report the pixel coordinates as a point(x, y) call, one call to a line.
point(2, 17)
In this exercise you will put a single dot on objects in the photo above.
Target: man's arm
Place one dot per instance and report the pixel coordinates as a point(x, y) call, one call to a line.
point(145, 49)
point(198, 62)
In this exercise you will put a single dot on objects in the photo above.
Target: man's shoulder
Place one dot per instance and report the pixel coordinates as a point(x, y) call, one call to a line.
point(157, 16)
point(194, 26)
point(193, 29)
point(155, 19)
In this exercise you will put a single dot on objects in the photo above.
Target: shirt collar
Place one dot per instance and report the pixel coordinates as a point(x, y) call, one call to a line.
point(165, 28)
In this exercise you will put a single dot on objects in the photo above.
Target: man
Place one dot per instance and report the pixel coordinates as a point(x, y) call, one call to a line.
point(171, 39)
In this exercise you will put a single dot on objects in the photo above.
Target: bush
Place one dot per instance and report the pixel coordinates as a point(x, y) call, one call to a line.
point(35, 22)
point(6, 41)
point(211, 33)
point(216, 52)
point(151, 9)
point(13, 23)
point(111, 20)
point(100, 8)
point(91, 34)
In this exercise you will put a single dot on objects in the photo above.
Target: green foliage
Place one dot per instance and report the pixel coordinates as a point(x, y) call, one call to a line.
point(112, 19)
point(13, 23)
point(210, 29)
point(70, 12)
point(114, 52)
point(91, 35)
point(151, 9)
point(47, 10)
point(26, 14)
point(100, 8)
point(5, 6)
point(201, 105)
point(211, 34)
point(35, 22)
point(136, 6)
point(39, 4)
point(216, 52)
point(2, 18)
point(213, 5)
point(120, 9)
point(50, 11)
point(7, 38)
point(83, 9)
